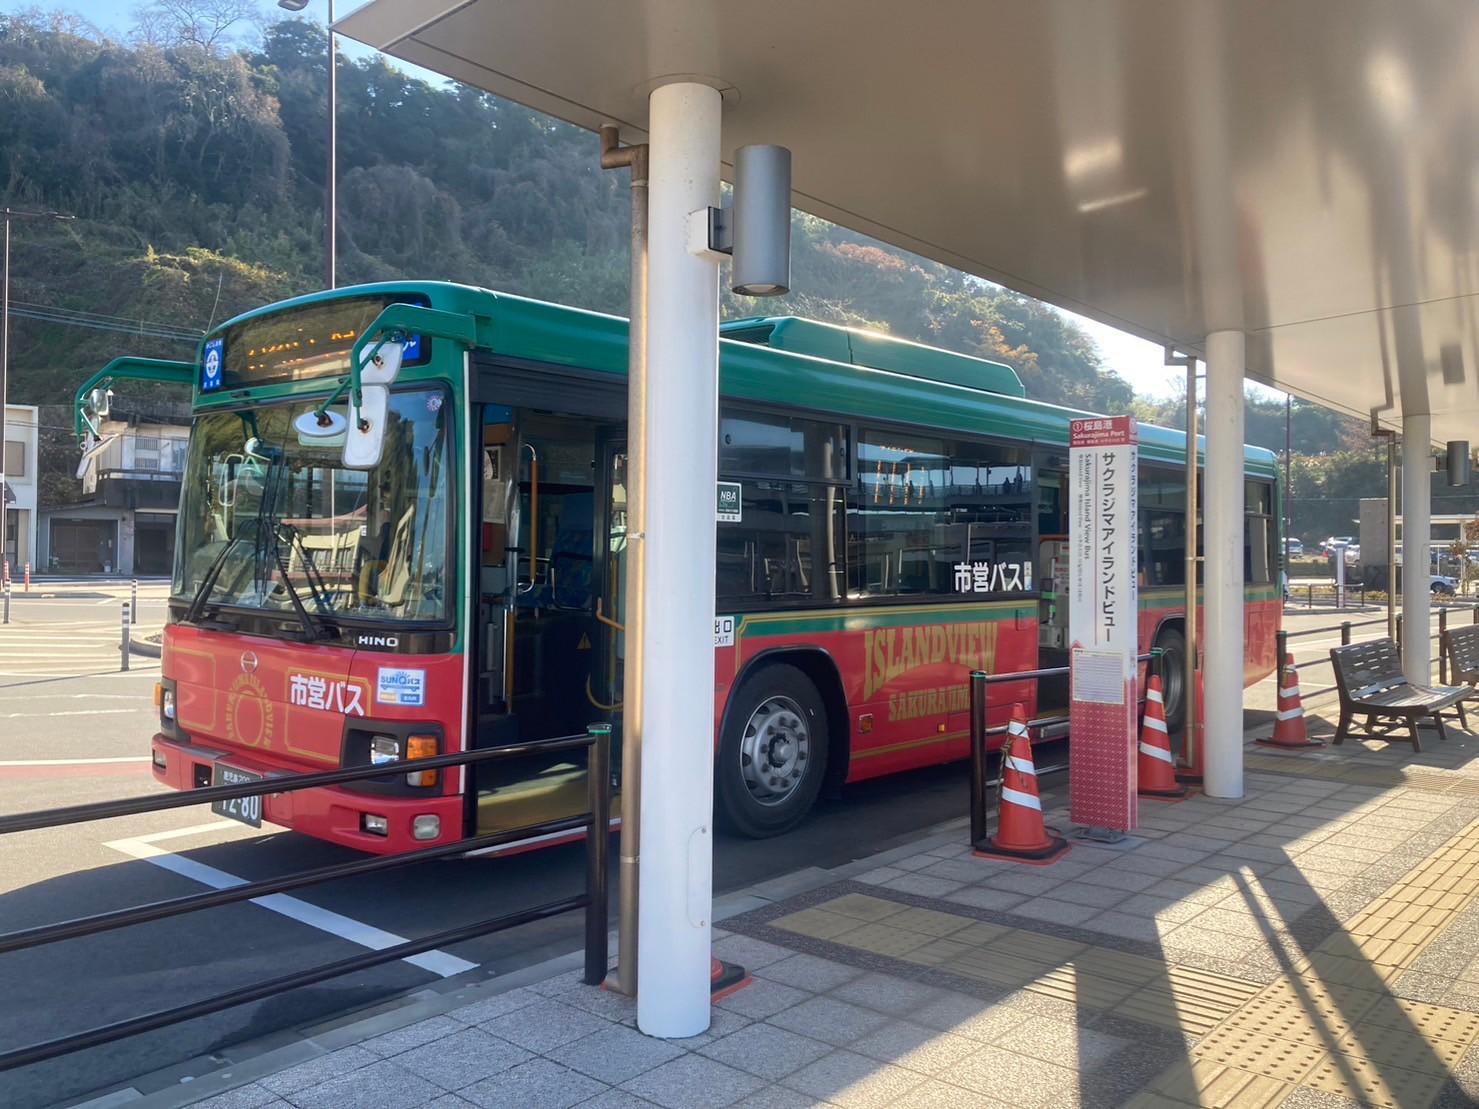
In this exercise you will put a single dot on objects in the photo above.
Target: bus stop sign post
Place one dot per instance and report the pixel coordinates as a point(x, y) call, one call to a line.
point(1103, 619)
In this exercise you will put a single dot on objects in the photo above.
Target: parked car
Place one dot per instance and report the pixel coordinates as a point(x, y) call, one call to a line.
point(1353, 555)
point(1331, 542)
point(1444, 585)
point(1294, 548)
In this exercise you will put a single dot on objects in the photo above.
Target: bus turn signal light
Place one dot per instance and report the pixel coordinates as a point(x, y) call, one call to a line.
point(421, 747)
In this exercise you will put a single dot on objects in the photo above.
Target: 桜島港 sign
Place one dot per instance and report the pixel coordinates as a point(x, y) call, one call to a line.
point(1103, 620)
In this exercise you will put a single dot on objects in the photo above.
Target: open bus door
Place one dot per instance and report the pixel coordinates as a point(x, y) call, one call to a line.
point(552, 492)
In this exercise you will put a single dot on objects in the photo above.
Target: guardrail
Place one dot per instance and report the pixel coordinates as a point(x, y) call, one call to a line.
point(595, 821)
point(1346, 627)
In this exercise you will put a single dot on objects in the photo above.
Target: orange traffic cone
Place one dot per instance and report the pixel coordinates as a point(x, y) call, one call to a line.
point(1157, 767)
point(1289, 726)
point(726, 978)
point(1020, 833)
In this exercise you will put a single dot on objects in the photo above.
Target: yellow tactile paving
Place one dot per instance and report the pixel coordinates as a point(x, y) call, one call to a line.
point(1374, 1084)
point(1259, 1053)
point(1081, 974)
point(1331, 1024)
point(1198, 1082)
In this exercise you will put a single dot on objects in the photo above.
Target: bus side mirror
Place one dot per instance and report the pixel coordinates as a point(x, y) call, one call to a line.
point(364, 441)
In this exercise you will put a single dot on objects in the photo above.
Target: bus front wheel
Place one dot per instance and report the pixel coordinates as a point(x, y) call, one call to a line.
point(773, 753)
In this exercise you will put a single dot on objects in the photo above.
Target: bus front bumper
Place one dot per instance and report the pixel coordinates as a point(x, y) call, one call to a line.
point(328, 812)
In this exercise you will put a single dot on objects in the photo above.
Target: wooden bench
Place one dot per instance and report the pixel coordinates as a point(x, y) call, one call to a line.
point(1461, 647)
point(1368, 677)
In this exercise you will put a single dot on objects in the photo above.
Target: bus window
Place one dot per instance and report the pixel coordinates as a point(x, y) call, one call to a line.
point(1259, 556)
point(786, 545)
point(924, 507)
point(765, 444)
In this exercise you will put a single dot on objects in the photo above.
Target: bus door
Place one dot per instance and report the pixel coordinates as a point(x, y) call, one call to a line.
point(1051, 571)
point(540, 639)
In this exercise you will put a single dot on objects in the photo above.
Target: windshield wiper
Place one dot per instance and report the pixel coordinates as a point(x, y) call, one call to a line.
point(311, 630)
point(196, 608)
point(317, 588)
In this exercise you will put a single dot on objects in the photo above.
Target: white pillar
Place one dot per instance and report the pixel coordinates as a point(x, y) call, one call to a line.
point(676, 889)
point(1222, 509)
point(1417, 507)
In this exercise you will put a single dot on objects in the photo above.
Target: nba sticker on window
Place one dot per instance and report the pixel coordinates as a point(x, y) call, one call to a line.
point(401, 687)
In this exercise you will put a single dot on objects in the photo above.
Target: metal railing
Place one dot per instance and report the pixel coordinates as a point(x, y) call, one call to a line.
point(1346, 627)
point(595, 822)
point(979, 681)
point(1333, 594)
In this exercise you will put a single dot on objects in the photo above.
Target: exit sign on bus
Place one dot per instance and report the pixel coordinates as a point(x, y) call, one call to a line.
point(727, 507)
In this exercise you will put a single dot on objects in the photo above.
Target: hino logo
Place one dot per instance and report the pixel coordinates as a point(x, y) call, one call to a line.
point(379, 641)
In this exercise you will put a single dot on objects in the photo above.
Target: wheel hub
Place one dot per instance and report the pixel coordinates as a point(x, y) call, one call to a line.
point(775, 749)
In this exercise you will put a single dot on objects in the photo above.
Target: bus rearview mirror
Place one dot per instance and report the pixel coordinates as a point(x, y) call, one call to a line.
point(365, 439)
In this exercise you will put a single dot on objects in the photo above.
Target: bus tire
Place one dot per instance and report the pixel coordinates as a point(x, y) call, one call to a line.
point(1172, 644)
point(772, 754)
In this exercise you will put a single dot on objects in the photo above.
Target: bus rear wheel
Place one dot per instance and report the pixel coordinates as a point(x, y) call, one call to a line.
point(772, 754)
point(1173, 682)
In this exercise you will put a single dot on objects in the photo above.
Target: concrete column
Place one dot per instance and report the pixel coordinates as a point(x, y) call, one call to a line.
point(680, 472)
point(1417, 508)
point(1222, 509)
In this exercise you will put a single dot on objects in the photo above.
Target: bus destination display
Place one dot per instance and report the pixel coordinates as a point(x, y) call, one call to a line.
point(313, 341)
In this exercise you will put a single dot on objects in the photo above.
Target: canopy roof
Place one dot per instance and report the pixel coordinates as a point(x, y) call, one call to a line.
point(1307, 173)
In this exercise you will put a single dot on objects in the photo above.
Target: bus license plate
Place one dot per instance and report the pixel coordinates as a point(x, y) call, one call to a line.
point(248, 810)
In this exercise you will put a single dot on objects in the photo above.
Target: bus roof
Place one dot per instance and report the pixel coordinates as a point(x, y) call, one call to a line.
point(923, 386)
point(870, 348)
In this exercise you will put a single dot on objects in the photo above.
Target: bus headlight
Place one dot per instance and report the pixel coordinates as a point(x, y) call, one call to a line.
point(167, 705)
point(384, 749)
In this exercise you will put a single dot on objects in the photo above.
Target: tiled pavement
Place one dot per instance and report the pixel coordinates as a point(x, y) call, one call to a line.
point(1313, 945)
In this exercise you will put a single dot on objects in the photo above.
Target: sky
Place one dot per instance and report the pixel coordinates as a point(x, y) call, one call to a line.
point(1137, 361)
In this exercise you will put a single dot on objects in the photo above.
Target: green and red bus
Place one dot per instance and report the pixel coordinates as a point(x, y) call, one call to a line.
point(890, 516)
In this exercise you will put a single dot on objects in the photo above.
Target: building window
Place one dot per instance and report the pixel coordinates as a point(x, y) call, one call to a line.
point(15, 459)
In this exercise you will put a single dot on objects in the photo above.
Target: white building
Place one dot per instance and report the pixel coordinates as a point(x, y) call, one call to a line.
point(126, 524)
point(19, 494)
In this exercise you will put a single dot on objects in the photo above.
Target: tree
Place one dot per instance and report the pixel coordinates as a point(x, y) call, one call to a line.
point(205, 24)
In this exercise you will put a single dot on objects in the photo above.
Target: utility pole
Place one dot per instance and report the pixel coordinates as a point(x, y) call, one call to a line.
point(10, 214)
point(331, 184)
point(1288, 488)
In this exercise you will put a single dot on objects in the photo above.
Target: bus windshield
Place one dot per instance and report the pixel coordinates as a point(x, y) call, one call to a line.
point(266, 516)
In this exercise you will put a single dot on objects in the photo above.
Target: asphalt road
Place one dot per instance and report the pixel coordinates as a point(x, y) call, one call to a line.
point(74, 729)
point(48, 720)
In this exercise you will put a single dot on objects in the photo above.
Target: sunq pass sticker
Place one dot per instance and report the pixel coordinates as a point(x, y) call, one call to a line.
point(400, 687)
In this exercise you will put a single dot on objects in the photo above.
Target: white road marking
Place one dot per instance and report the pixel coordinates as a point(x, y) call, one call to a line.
point(72, 696)
point(74, 762)
point(74, 712)
point(325, 920)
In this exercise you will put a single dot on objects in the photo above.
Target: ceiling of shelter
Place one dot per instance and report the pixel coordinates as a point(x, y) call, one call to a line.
point(1308, 172)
